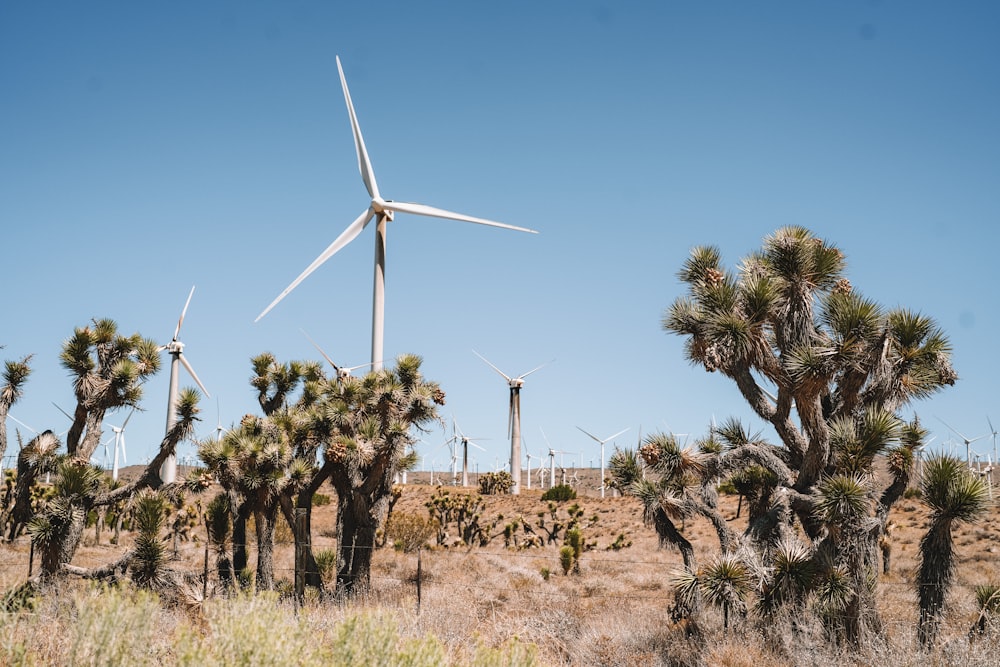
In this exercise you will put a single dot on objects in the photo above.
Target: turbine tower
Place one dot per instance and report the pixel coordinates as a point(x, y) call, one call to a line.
point(175, 348)
point(608, 439)
point(119, 432)
point(382, 211)
point(513, 421)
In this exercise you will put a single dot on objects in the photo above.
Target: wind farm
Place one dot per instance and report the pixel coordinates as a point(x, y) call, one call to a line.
point(726, 222)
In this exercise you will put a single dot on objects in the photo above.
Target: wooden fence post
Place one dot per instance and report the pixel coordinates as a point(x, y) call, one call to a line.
point(419, 573)
point(301, 530)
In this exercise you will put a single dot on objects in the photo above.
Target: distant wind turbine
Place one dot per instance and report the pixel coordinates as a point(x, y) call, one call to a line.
point(513, 420)
point(343, 372)
point(175, 348)
point(967, 441)
point(602, 442)
point(466, 441)
point(119, 432)
point(382, 211)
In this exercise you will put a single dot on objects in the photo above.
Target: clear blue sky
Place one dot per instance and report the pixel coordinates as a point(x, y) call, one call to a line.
point(149, 147)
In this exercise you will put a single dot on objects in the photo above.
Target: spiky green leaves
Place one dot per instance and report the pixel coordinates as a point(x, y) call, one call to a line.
point(841, 500)
point(15, 374)
point(857, 442)
point(952, 492)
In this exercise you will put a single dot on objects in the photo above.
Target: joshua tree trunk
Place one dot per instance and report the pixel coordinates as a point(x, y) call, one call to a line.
point(933, 580)
point(61, 551)
point(357, 524)
point(265, 521)
point(240, 558)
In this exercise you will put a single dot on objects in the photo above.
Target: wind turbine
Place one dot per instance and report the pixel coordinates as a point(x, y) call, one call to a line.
point(993, 432)
point(513, 421)
point(466, 441)
point(382, 211)
point(552, 459)
point(529, 456)
point(343, 372)
point(967, 441)
point(175, 348)
point(119, 432)
point(602, 442)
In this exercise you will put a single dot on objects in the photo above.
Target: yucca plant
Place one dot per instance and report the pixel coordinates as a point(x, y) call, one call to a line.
point(953, 495)
point(149, 559)
point(725, 583)
point(988, 601)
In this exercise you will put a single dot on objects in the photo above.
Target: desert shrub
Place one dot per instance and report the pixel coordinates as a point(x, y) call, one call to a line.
point(566, 558)
point(320, 499)
point(560, 493)
point(409, 532)
point(326, 563)
point(620, 543)
point(911, 493)
point(113, 627)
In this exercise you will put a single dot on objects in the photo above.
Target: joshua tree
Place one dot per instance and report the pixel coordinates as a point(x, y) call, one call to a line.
point(108, 372)
point(790, 331)
point(15, 374)
point(366, 423)
point(954, 495)
point(254, 463)
point(58, 526)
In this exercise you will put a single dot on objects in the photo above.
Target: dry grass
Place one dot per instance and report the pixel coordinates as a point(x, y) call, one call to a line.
point(615, 612)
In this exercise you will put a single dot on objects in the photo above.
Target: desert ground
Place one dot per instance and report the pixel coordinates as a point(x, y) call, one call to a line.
point(615, 611)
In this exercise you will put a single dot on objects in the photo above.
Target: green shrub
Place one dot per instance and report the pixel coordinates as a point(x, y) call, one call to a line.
point(409, 532)
point(559, 493)
point(320, 499)
point(566, 558)
point(326, 563)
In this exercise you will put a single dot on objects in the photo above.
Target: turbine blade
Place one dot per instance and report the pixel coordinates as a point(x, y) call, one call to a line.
point(524, 375)
point(615, 435)
point(596, 439)
point(325, 355)
point(180, 320)
point(193, 374)
point(124, 423)
point(23, 424)
point(364, 164)
point(430, 211)
point(71, 419)
point(124, 458)
point(949, 426)
point(345, 237)
point(504, 375)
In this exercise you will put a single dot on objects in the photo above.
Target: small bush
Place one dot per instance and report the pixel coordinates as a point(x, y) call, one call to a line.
point(326, 563)
point(566, 558)
point(559, 493)
point(409, 532)
point(320, 499)
point(911, 493)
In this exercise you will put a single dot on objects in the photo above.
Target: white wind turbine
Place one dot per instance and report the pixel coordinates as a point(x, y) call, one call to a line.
point(343, 372)
point(382, 211)
point(602, 443)
point(993, 433)
point(513, 421)
point(967, 441)
point(175, 348)
point(528, 455)
point(119, 432)
point(552, 459)
point(466, 441)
